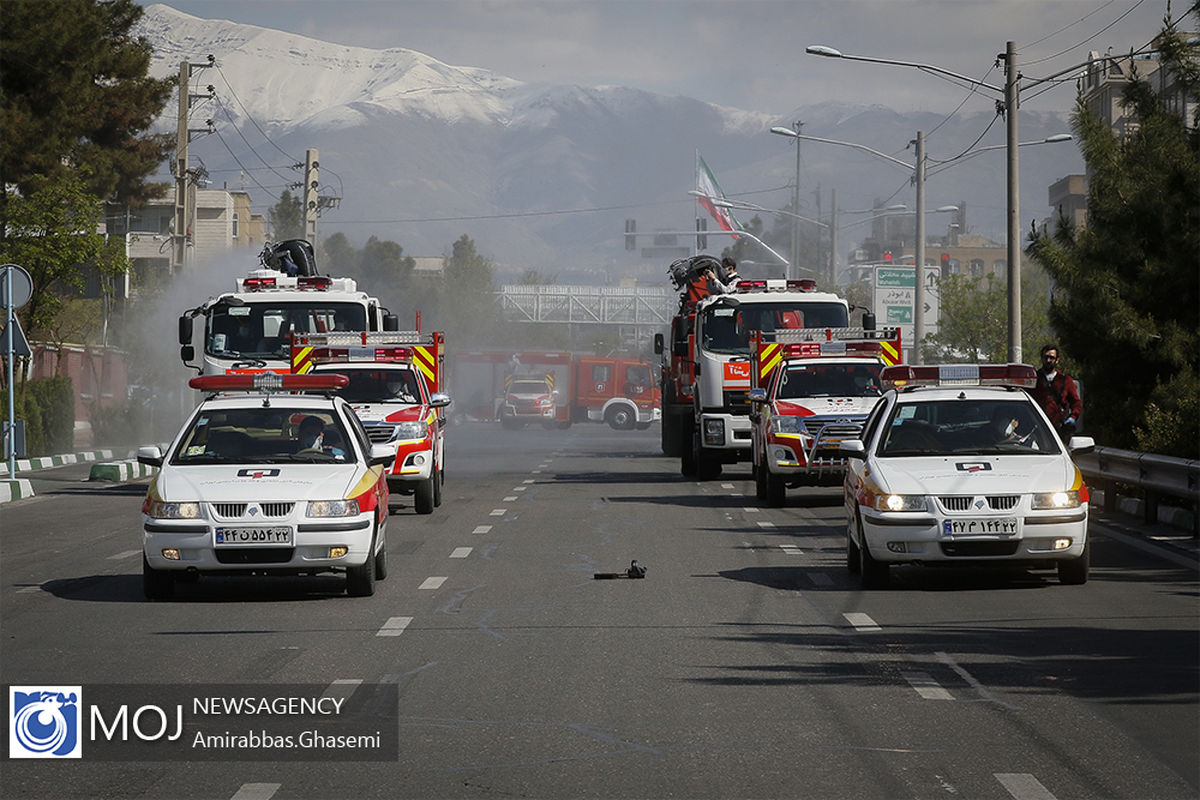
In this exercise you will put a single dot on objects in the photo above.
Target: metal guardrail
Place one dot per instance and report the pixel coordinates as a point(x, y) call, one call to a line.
point(1157, 476)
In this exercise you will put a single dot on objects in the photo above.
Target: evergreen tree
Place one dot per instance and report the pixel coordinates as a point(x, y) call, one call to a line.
point(75, 98)
point(468, 311)
point(1126, 303)
point(287, 217)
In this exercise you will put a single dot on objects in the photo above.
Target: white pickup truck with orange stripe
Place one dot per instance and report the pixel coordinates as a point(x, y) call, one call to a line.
point(395, 378)
point(810, 389)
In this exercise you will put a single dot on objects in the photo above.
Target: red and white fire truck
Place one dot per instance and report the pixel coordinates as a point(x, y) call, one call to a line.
point(555, 388)
point(394, 388)
point(810, 389)
point(248, 330)
point(706, 370)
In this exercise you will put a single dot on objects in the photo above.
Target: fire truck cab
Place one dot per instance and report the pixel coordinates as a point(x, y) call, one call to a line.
point(810, 389)
point(248, 330)
point(394, 380)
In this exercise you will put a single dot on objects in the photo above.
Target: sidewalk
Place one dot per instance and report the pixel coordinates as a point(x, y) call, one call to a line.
point(103, 468)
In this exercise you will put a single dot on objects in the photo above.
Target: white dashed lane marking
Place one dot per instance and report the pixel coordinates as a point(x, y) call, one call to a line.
point(498, 512)
point(862, 622)
point(481, 529)
point(461, 552)
point(519, 488)
point(432, 583)
point(1023, 786)
point(343, 687)
point(256, 791)
point(766, 524)
point(924, 685)
point(510, 499)
point(790, 550)
point(395, 625)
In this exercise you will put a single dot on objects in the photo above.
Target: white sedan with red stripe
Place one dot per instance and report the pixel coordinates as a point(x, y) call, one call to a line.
point(957, 465)
point(260, 481)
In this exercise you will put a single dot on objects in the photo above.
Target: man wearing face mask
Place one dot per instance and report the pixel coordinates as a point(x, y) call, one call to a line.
point(312, 437)
point(1057, 394)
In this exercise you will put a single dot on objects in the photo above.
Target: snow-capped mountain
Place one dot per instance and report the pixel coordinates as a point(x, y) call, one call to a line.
point(540, 176)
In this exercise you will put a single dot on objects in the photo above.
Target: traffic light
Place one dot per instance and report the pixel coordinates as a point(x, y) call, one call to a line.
point(945, 265)
point(631, 234)
point(887, 255)
point(701, 239)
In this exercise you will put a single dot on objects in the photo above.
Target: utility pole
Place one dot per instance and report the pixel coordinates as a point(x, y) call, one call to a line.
point(1012, 99)
point(185, 199)
point(793, 270)
point(311, 184)
point(919, 260)
point(833, 239)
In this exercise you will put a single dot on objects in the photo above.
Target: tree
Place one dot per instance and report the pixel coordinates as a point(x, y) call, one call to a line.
point(1126, 302)
point(53, 236)
point(75, 98)
point(468, 309)
point(287, 217)
point(974, 311)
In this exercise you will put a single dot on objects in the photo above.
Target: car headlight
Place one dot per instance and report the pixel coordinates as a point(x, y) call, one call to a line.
point(160, 510)
point(1052, 500)
point(412, 430)
point(786, 424)
point(333, 508)
point(899, 502)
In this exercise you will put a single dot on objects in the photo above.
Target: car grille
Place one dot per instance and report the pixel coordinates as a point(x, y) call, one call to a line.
point(235, 510)
point(737, 403)
point(979, 549)
point(840, 430)
point(380, 434)
point(996, 502)
point(254, 555)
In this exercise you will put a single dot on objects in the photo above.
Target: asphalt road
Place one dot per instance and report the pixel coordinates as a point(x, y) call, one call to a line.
point(747, 662)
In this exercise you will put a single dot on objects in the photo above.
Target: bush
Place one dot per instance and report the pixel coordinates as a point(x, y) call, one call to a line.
point(47, 406)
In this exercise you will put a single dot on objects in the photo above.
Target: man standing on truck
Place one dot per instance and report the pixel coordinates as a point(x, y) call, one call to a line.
point(1057, 394)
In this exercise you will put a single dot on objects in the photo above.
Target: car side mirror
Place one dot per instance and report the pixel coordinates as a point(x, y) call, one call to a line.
point(658, 344)
point(185, 329)
point(758, 395)
point(1081, 445)
point(150, 456)
point(187, 353)
point(439, 400)
point(851, 448)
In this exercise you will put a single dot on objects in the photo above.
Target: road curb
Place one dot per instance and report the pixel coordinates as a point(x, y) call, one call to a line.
point(17, 489)
point(48, 462)
point(119, 471)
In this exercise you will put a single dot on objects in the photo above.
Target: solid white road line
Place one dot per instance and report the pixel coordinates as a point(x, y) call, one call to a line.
point(926, 686)
point(256, 791)
point(394, 626)
point(1023, 786)
point(862, 622)
point(124, 554)
point(432, 583)
point(481, 529)
point(461, 552)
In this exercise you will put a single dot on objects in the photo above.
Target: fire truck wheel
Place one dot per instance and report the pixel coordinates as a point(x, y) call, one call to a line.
point(708, 466)
point(423, 496)
point(641, 426)
point(620, 418)
point(670, 434)
point(562, 426)
point(776, 492)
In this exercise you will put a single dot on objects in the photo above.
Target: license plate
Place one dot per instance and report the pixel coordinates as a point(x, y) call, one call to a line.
point(242, 537)
point(994, 526)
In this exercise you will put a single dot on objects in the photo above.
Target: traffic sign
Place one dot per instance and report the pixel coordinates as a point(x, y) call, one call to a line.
point(22, 285)
point(19, 345)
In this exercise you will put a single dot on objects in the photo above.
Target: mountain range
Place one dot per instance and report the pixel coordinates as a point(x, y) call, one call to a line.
point(544, 176)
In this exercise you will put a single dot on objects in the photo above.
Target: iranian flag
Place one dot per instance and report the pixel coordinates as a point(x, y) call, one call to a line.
point(706, 184)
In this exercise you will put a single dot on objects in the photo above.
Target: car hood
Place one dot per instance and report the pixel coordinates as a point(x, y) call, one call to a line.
point(389, 412)
point(853, 407)
point(974, 475)
point(257, 483)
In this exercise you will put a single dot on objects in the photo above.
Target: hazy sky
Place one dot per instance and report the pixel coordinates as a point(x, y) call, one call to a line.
point(742, 53)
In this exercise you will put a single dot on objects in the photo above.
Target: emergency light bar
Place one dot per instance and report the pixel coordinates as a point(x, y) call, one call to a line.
point(311, 282)
point(268, 382)
point(326, 355)
point(257, 284)
point(360, 339)
point(903, 376)
point(775, 284)
point(793, 335)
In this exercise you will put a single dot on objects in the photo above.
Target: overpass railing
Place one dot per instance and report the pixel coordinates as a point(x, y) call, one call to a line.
point(1155, 475)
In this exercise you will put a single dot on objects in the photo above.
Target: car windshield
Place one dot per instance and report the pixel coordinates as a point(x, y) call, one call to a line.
point(392, 385)
point(829, 380)
point(264, 329)
point(275, 435)
point(726, 329)
point(954, 427)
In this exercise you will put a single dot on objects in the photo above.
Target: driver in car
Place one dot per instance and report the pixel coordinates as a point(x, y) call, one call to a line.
point(312, 437)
